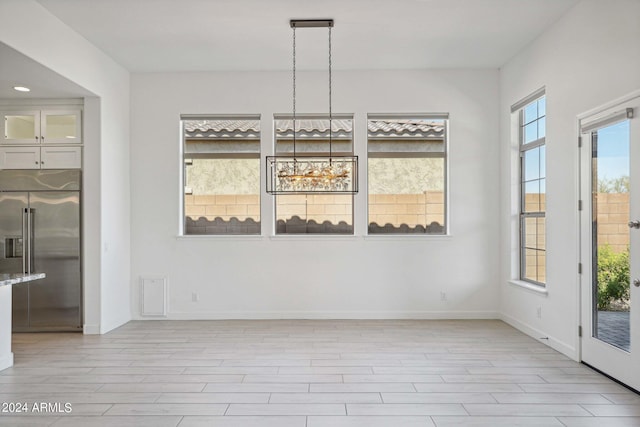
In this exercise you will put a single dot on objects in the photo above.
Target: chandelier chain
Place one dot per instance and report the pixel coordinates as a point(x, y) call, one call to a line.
point(294, 93)
point(330, 93)
point(312, 173)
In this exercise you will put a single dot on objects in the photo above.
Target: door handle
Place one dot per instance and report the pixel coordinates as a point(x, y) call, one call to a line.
point(634, 224)
point(636, 283)
point(29, 212)
point(25, 236)
point(28, 239)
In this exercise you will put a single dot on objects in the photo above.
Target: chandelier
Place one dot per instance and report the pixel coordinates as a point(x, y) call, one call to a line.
point(294, 174)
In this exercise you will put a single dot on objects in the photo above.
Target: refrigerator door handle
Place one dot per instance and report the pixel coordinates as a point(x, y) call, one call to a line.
point(30, 238)
point(25, 235)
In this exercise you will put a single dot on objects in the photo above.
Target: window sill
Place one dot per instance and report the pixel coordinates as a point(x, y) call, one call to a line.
point(321, 237)
point(246, 237)
point(530, 287)
point(405, 237)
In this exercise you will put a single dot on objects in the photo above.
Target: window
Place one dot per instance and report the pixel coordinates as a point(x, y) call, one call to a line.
point(407, 171)
point(311, 213)
point(221, 175)
point(531, 119)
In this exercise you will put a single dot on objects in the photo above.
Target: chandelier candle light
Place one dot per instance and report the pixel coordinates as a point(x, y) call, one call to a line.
point(293, 174)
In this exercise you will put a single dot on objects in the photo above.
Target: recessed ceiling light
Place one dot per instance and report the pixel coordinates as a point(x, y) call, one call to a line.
point(22, 89)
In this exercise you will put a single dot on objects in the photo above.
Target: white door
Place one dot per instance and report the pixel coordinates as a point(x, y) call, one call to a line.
point(610, 241)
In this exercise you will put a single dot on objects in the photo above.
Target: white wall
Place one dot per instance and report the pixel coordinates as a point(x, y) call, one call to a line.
point(589, 57)
point(30, 29)
point(326, 276)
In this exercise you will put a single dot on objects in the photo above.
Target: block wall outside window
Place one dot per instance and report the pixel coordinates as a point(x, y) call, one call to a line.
point(221, 175)
point(407, 165)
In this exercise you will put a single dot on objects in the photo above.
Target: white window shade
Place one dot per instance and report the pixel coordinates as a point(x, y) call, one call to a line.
point(606, 120)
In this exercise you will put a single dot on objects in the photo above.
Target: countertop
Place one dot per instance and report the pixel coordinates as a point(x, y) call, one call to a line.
point(16, 278)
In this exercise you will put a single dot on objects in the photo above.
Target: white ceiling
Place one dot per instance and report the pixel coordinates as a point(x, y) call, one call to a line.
point(199, 35)
point(18, 70)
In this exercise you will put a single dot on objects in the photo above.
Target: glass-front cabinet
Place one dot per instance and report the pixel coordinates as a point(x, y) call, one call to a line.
point(41, 127)
point(60, 127)
point(41, 139)
point(20, 127)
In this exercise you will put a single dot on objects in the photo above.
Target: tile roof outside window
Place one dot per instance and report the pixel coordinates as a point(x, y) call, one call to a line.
point(402, 128)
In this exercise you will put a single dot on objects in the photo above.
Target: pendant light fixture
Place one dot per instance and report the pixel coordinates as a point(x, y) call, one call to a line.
point(299, 174)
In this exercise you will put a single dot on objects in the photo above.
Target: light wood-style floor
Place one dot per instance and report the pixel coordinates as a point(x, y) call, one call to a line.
point(308, 374)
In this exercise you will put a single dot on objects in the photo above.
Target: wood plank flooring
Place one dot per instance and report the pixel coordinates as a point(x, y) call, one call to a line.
point(306, 373)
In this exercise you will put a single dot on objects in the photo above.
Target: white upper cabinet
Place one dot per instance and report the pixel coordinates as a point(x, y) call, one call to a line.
point(60, 127)
point(43, 157)
point(40, 138)
point(60, 157)
point(20, 157)
point(20, 127)
point(41, 127)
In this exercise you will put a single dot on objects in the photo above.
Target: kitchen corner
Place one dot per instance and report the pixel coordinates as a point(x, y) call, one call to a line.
point(6, 281)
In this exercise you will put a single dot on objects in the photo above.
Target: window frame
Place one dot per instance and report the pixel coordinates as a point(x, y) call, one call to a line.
point(414, 155)
point(221, 155)
point(523, 215)
point(314, 116)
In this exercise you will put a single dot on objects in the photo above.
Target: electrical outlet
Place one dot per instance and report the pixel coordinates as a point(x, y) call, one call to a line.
point(443, 296)
point(195, 297)
point(539, 312)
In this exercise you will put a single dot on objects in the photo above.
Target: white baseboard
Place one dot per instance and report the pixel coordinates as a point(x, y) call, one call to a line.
point(6, 361)
point(564, 348)
point(328, 315)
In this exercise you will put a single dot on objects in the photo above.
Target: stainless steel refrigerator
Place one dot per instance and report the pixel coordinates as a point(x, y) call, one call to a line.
point(40, 232)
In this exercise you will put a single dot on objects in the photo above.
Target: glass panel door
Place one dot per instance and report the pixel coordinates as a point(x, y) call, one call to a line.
point(610, 281)
point(610, 236)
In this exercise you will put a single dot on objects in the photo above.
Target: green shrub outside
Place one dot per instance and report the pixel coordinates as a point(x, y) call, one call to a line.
point(613, 276)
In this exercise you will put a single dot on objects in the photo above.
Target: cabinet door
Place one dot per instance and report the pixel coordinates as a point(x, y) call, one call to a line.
point(20, 127)
point(61, 157)
point(20, 157)
point(61, 127)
